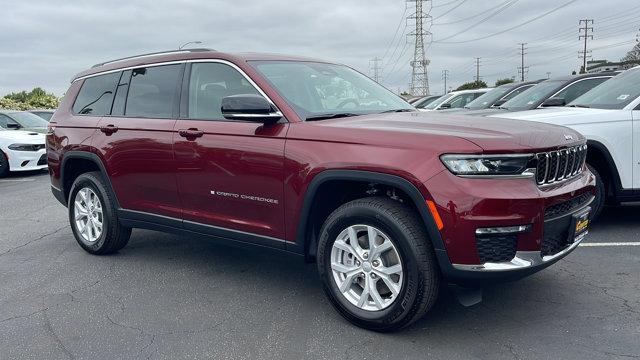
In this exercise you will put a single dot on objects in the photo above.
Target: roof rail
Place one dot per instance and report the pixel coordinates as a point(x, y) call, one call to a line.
point(152, 54)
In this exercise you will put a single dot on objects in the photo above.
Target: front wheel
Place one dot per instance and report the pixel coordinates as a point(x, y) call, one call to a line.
point(377, 264)
point(600, 197)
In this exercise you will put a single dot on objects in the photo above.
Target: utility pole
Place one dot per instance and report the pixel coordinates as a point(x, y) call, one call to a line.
point(588, 34)
point(445, 76)
point(419, 76)
point(478, 69)
point(375, 67)
point(548, 75)
point(522, 68)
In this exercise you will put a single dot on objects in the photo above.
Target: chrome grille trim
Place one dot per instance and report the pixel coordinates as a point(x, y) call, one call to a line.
point(560, 165)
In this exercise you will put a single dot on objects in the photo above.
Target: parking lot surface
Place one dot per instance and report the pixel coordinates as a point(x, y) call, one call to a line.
point(168, 296)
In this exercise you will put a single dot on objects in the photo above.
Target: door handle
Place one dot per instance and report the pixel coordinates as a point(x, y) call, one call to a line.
point(108, 129)
point(190, 134)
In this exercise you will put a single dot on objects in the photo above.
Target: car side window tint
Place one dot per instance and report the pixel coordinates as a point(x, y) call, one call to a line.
point(4, 120)
point(96, 95)
point(461, 100)
point(516, 92)
point(576, 89)
point(209, 83)
point(153, 91)
point(121, 94)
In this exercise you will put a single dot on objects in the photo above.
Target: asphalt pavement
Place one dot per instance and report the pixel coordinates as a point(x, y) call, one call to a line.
point(167, 297)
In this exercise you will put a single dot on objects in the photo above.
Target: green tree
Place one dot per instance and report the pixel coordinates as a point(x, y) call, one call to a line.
point(35, 99)
point(503, 81)
point(633, 56)
point(473, 85)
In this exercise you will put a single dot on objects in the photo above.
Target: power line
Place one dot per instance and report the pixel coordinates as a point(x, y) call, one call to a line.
point(588, 34)
point(445, 4)
point(470, 17)
point(402, 19)
point(448, 11)
point(511, 28)
point(483, 20)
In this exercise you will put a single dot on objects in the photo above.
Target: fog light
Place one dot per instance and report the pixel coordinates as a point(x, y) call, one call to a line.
point(503, 230)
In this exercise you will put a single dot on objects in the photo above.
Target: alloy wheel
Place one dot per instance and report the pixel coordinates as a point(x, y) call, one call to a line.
point(87, 210)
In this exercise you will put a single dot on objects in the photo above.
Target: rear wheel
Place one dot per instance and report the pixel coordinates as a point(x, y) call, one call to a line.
point(92, 214)
point(377, 264)
point(4, 165)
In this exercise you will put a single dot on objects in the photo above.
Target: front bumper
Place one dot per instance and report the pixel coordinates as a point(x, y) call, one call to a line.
point(27, 160)
point(466, 205)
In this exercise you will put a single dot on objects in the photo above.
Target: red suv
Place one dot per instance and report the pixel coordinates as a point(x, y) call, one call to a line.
point(316, 159)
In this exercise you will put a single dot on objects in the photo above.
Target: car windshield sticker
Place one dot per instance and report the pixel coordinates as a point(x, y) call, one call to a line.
point(623, 97)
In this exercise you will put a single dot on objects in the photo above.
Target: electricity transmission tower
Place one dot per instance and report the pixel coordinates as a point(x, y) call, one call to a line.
point(477, 69)
point(522, 69)
point(375, 66)
point(445, 77)
point(419, 76)
point(588, 34)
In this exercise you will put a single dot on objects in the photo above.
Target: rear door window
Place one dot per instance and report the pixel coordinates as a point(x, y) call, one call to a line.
point(153, 91)
point(96, 95)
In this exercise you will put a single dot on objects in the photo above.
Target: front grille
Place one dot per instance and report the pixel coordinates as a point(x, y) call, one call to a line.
point(43, 160)
point(568, 206)
point(497, 248)
point(555, 166)
point(554, 241)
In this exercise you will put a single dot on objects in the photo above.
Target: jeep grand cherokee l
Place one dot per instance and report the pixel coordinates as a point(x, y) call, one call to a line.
point(316, 159)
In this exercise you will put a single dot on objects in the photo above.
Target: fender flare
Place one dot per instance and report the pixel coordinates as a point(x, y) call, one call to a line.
point(302, 241)
point(85, 155)
point(613, 169)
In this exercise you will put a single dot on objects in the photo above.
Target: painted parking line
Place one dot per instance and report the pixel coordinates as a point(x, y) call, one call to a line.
point(17, 180)
point(603, 244)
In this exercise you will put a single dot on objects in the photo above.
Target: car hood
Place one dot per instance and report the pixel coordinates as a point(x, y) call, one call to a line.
point(490, 134)
point(559, 115)
point(24, 137)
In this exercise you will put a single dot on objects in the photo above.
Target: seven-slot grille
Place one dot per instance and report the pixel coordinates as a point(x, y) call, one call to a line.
point(554, 166)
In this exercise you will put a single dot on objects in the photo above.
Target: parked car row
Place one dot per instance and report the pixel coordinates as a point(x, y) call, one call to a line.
point(604, 107)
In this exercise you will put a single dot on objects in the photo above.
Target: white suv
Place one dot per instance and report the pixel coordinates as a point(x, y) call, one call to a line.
point(609, 117)
point(454, 99)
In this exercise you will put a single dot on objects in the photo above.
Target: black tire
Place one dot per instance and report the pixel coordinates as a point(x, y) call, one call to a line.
point(4, 165)
point(421, 275)
point(114, 236)
point(601, 195)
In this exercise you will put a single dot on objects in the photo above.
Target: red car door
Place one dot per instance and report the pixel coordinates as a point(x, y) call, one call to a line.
point(136, 141)
point(230, 173)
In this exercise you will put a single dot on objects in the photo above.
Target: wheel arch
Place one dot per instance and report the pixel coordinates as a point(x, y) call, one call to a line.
point(305, 241)
point(86, 162)
point(600, 158)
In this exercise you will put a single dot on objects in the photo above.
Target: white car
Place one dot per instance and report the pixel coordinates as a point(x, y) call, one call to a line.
point(609, 117)
point(454, 100)
point(21, 151)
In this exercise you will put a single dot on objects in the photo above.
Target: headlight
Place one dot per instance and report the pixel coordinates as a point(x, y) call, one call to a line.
point(26, 147)
point(488, 165)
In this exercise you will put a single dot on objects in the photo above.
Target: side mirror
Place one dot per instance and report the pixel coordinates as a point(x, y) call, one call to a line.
point(499, 102)
point(554, 101)
point(249, 107)
point(14, 126)
point(444, 106)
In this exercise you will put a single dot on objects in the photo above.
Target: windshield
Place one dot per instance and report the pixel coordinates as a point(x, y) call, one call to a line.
point(28, 120)
point(422, 103)
point(615, 93)
point(319, 89)
point(439, 101)
point(532, 97)
point(486, 100)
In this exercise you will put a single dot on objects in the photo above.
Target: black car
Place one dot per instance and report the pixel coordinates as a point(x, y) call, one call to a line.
point(45, 114)
point(424, 101)
point(553, 92)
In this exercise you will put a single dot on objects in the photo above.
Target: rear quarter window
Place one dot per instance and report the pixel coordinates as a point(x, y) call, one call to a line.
point(96, 94)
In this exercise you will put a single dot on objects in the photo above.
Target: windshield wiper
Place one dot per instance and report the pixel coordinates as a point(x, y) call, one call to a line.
point(330, 116)
point(397, 111)
point(579, 106)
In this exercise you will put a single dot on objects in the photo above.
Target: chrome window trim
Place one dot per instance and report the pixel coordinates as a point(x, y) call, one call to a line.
point(219, 61)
